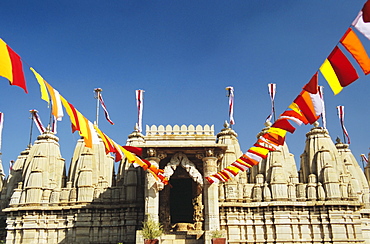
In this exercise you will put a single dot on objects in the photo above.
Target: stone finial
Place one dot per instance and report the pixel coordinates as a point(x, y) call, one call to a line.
point(226, 125)
point(338, 140)
point(268, 123)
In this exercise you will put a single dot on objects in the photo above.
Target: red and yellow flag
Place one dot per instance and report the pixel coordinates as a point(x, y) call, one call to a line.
point(11, 66)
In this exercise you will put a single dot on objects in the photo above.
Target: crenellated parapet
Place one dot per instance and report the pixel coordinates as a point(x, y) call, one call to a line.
point(161, 130)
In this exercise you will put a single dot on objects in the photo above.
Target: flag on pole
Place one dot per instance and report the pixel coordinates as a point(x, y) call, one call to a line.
point(100, 97)
point(340, 110)
point(11, 66)
point(1, 127)
point(323, 113)
point(139, 104)
point(36, 119)
point(364, 158)
point(272, 92)
point(11, 164)
point(54, 125)
point(230, 89)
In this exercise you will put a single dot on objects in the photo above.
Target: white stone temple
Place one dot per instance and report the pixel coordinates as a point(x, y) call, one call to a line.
point(326, 200)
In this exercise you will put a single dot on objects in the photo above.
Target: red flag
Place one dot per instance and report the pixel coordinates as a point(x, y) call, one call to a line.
point(340, 110)
point(343, 68)
point(305, 104)
point(284, 124)
point(312, 85)
point(36, 119)
point(100, 97)
point(366, 12)
point(137, 150)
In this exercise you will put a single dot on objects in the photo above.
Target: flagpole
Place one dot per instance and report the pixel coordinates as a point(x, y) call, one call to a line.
point(273, 110)
point(31, 128)
point(97, 93)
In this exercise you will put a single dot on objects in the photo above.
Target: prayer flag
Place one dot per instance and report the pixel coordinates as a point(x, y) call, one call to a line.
point(11, 66)
point(312, 87)
point(338, 71)
point(100, 97)
point(274, 138)
point(343, 68)
point(137, 150)
point(272, 92)
point(340, 110)
point(230, 94)
point(307, 106)
point(139, 104)
point(107, 144)
point(295, 116)
point(361, 22)
point(72, 113)
point(354, 46)
point(284, 124)
point(259, 151)
point(40, 80)
point(329, 74)
point(56, 102)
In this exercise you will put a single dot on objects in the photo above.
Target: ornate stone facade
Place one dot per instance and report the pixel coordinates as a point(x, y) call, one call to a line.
point(326, 201)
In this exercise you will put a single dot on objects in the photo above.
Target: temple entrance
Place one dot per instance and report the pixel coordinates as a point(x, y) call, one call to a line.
point(180, 202)
point(181, 207)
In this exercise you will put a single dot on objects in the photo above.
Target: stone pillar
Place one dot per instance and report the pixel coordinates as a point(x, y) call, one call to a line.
point(211, 208)
point(152, 187)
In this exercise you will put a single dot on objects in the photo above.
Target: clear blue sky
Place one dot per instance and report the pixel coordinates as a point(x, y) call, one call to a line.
point(183, 54)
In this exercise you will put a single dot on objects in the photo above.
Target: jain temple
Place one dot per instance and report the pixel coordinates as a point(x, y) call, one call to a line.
point(325, 200)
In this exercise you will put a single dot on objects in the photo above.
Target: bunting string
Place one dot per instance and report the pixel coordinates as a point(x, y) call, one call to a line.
point(307, 107)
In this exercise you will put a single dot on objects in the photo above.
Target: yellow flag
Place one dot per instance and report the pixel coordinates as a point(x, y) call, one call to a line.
point(43, 90)
point(329, 74)
point(5, 62)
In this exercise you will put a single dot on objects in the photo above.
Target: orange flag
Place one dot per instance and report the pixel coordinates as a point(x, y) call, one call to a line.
point(354, 46)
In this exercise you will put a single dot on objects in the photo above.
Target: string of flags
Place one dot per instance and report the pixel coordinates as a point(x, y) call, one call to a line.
point(12, 69)
point(308, 106)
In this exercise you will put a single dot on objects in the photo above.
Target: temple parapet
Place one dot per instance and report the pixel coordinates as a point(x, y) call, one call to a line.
point(179, 130)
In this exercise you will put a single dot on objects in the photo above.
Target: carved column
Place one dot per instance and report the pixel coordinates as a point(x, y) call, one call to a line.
point(152, 187)
point(211, 208)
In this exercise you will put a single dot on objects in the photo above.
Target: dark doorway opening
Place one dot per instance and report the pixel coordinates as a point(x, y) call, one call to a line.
point(181, 207)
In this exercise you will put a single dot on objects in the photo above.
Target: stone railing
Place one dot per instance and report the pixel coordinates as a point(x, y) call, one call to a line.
point(179, 130)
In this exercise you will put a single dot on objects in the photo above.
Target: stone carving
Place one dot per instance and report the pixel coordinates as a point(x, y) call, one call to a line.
point(181, 159)
point(198, 212)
